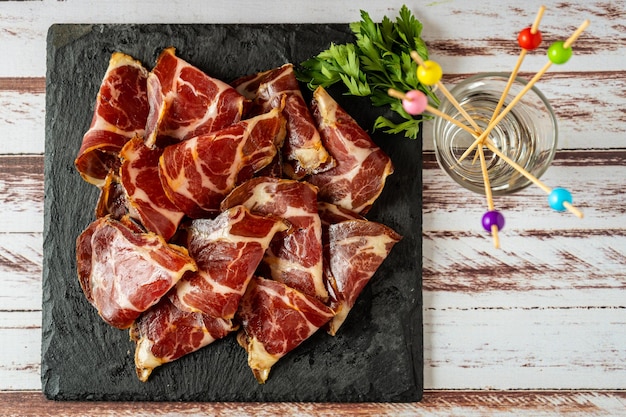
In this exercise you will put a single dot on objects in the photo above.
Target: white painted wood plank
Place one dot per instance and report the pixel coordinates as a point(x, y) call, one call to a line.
point(21, 193)
point(22, 122)
point(600, 126)
point(524, 348)
point(21, 257)
point(20, 333)
point(474, 29)
point(595, 190)
point(588, 108)
point(475, 348)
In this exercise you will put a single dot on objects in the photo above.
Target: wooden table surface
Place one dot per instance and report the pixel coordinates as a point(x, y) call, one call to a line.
point(537, 327)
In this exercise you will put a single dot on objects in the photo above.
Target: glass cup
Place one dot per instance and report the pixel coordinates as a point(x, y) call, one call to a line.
point(527, 134)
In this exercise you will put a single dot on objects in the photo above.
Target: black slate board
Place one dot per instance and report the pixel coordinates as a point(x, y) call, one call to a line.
point(377, 355)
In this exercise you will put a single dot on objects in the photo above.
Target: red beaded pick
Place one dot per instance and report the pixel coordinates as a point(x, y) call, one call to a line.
point(528, 40)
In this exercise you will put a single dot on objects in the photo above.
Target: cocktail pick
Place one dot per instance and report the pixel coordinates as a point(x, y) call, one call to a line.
point(493, 221)
point(559, 199)
point(415, 103)
point(558, 53)
point(429, 73)
point(528, 39)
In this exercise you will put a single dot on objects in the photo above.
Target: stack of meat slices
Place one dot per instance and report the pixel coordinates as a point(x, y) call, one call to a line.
point(223, 208)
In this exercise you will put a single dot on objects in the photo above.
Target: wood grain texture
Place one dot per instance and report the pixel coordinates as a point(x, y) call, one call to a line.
point(580, 111)
point(472, 292)
point(546, 311)
point(483, 33)
point(435, 403)
point(21, 193)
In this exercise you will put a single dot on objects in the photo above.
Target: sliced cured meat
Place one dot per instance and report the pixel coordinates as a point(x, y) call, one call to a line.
point(275, 319)
point(185, 102)
point(147, 200)
point(294, 256)
point(354, 251)
point(123, 272)
point(361, 166)
point(227, 251)
point(196, 174)
point(303, 151)
point(331, 213)
point(112, 200)
point(164, 333)
point(120, 113)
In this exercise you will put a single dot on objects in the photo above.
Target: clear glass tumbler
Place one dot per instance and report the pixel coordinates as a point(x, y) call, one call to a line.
point(527, 134)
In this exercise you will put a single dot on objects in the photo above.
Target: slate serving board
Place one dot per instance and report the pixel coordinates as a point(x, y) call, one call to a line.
point(377, 355)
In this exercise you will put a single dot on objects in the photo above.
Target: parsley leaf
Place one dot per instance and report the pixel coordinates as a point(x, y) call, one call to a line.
point(378, 59)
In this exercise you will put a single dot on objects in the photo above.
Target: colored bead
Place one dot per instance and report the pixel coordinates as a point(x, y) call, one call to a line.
point(429, 73)
point(558, 54)
point(415, 102)
point(528, 40)
point(558, 197)
point(491, 218)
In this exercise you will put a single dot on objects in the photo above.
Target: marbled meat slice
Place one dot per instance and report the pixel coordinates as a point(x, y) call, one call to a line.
point(186, 102)
point(120, 114)
point(303, 152)
point(354, 251)
point(294, 256)
point(164, 333)
point(227, 251)
point(361, 166)
point(147, 201)
point(275, 319)
point(123, 271)
point(198, 173)
point(112, 200)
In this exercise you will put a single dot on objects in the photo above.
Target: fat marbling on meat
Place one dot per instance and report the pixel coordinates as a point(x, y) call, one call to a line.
point(303, 151)
point(186, 102)
point(165, 333)
point(361, 166)
point(146, 199)
point(275, 319)
point(227, 251)
point(120, 114)
point(198, 173)
point(354, 251)
point(294, 256)
point(124, 271)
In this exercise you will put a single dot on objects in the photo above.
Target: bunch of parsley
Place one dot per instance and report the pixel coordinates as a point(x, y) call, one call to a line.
point(378, 60)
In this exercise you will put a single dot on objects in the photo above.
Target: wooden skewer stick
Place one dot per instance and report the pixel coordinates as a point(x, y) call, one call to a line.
point(449, 96)
point(400, 95)
point(507, 88)
point(518, 64)
point(532, 178)
point(519, 96)
point(489, 195)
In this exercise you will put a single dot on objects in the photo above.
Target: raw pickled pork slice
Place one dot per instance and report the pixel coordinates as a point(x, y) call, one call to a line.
point(227, 251)
point(361, 167)
point(185, 102)
point(196, 174)
point(354, 251)
point(123, 272)
point(275, 319)
point(294, 256)
point(120, 114)
point(147, 201)
point(303, 151)
point(164, 333)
